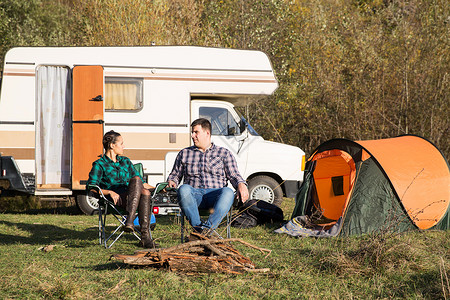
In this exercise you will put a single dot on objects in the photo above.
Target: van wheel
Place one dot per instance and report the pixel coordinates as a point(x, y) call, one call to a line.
point(87, 204)
point(265, 188)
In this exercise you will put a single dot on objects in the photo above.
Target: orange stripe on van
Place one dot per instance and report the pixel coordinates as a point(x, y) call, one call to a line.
point(134, 154)
point(17, 139)
point(147, 154)
point(18, 153)
point(19, 73)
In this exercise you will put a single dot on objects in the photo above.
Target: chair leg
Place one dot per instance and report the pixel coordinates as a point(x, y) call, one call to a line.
point(229, 216)
point(100, 225)
point(108, 239)
point(118, 232)
point(182, 224)
point(102, 213)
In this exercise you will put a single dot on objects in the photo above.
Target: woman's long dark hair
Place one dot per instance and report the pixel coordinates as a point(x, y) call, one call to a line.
point(110, 138)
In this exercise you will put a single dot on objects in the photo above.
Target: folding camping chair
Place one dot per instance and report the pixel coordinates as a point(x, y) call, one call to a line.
point(204, 212)
point(106, 206)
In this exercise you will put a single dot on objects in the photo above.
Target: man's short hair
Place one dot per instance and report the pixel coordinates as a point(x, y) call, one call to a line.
point(206, 125)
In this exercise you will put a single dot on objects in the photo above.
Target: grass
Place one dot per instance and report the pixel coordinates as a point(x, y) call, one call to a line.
point(413, 265)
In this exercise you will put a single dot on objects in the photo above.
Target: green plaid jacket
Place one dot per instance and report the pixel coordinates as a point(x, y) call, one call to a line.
point(109, 175)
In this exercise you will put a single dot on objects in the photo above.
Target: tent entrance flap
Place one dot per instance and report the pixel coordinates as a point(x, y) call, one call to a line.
point(333, 177)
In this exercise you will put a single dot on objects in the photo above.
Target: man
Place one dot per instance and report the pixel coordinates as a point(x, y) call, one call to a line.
point(206, 170)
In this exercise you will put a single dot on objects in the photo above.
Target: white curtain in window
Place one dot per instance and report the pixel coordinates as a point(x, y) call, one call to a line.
point(53, 126)
point(122, 95)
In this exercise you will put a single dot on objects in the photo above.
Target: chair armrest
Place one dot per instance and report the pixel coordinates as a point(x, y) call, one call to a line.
point(97, 189)
point(161, 186)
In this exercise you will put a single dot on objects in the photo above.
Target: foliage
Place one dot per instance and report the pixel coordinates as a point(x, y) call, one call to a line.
point(364, 72)
point(138, 22)
point(33, 23)
point(357, 69)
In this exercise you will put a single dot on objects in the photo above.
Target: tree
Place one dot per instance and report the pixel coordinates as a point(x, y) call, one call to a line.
point(357, 69)
point(33, 23)
point(138, 22)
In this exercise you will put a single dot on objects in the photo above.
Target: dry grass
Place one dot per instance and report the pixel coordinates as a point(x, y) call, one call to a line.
point(410, 265)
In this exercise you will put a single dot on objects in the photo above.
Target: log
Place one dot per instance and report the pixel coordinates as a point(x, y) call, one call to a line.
point(200, 256)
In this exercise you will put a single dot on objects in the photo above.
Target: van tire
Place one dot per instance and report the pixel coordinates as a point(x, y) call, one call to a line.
point(265, 188)
point(87, 204)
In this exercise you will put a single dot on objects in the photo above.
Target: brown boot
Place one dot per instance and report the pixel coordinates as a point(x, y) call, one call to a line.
point(144, 221)
point(134, 194)
point(148, 243)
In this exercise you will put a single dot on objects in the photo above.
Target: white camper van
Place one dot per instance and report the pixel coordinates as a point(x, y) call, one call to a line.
point(56, 103)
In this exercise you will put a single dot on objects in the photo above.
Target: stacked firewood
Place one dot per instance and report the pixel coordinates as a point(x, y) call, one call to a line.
point(198, 256)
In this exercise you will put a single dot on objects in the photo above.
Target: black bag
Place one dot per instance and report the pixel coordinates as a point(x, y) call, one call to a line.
point(254, 212)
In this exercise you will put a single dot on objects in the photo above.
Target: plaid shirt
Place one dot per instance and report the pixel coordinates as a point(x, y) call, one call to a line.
point(210, 169)
point(109, 175)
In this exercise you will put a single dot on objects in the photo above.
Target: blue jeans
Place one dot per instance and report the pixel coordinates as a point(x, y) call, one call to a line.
point(192, 199)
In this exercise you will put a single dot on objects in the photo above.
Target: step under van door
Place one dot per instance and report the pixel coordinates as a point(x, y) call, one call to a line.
point(87, 121)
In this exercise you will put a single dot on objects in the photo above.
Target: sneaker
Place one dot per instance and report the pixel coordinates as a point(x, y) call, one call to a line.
point(198, 233)
point(199, 229)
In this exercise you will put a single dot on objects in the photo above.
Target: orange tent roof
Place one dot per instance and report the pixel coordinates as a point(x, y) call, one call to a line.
point(419, 173)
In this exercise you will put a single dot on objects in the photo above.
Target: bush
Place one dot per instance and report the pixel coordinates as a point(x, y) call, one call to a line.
point(34, 23)
point(356, 69)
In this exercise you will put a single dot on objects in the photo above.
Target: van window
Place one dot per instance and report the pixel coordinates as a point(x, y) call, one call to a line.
point(222, 121)
point(123, 94)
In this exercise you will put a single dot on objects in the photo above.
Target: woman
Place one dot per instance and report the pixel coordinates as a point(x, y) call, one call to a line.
point(119, 180)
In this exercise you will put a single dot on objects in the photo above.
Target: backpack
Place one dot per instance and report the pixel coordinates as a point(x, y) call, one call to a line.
point(254, 212)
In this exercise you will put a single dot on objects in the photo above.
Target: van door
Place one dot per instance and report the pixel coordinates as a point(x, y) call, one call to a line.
point(53, 124)
point(226, 131)
point(87, 121)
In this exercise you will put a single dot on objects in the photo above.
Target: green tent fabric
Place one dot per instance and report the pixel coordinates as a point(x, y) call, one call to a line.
point(373, 205)
point(393, 185)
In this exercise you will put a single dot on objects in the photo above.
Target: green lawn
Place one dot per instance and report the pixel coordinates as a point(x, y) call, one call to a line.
point(414, 265)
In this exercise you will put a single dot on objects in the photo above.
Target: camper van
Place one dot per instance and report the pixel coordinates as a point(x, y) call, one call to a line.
point(56, 104)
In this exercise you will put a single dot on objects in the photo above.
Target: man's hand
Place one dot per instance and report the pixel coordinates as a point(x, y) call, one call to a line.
point(243, 192)
point(172, 184)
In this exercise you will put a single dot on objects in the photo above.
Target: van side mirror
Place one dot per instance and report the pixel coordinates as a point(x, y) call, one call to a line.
point(231, 130)
point(242, 125)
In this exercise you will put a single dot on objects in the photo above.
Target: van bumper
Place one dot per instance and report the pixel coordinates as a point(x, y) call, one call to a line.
point(291, 187)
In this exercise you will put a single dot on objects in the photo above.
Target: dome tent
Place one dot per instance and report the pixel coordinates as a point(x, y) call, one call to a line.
point(394, 184)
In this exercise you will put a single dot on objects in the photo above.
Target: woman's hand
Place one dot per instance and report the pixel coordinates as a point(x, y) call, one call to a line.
point(148, 186)
point(114, 196)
